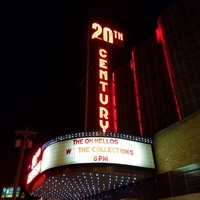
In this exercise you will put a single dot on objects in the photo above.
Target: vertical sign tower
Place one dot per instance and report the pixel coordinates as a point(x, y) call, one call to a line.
point(103, 43)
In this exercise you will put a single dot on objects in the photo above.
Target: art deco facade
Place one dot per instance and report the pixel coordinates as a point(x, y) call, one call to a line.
point(165, 83)
point(165, 74)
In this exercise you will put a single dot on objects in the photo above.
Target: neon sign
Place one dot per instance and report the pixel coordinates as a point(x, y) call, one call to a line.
point(34, 172)
point(100, 109)
point(107, 34)
point(103, 90)
point(35, 166)
point(35, 158)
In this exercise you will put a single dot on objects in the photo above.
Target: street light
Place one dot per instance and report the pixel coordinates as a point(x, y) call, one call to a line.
point(23, 142)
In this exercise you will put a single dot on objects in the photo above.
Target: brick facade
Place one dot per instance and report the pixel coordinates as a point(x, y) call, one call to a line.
point(178, 145)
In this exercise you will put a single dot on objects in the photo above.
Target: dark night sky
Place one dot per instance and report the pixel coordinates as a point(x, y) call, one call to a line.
point(43, 65)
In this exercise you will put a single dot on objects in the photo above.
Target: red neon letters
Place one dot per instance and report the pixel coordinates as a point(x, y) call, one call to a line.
point(103, 90)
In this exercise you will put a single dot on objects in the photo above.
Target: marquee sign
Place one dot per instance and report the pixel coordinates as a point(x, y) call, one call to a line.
point(97, 150)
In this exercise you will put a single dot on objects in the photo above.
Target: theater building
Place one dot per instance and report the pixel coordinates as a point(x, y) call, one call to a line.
point(142, 124)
